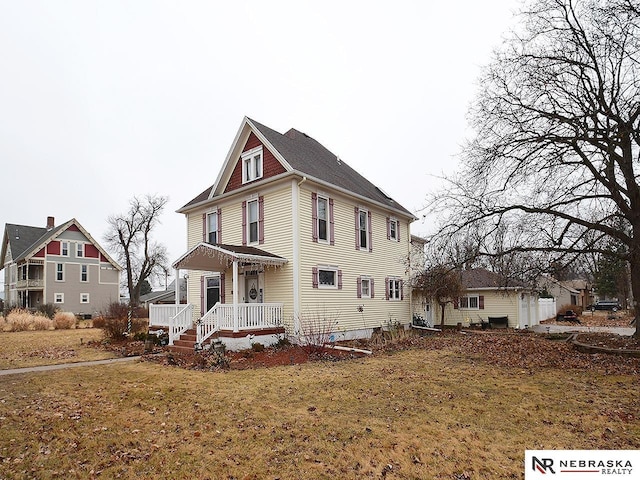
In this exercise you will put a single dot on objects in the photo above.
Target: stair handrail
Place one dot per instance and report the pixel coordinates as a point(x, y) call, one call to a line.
point(207, 325)
point(180, 322)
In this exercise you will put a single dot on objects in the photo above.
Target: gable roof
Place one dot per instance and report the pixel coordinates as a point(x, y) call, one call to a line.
point(483, 279)
point(302, 155)
point(26, 241)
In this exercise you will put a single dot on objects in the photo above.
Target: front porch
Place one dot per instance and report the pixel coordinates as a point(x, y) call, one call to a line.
point(238, 323)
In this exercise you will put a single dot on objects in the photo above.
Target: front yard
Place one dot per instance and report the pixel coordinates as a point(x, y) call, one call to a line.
point(449, 407)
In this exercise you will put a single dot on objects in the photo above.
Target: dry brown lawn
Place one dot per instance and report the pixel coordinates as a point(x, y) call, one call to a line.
point(48, 347)
point(415, 414)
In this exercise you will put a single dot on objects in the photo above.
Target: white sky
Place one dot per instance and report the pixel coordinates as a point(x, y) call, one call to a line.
point(104, 100)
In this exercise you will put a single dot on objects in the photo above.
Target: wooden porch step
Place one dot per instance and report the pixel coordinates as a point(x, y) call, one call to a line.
point(178, 349)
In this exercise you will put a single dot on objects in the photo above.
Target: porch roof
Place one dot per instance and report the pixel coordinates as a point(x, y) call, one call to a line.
point(217, 258)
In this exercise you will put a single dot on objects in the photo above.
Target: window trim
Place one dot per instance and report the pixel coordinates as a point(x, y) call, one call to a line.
point(85, 266)
point(64, 248)
point(58, 298)
point(360, 286)
point(324, 199)
point(209, 231)
point(82, 300)
point(394, 286)
point(80, 250)
point(337, 276)
point(251, 241)
point(393, 229)
point(359, 212)
point(252, 169)
point(60, 272)
point(466, 299)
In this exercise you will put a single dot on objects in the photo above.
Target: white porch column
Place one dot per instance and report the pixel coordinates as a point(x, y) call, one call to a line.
point(177, 292)
point(236, 320)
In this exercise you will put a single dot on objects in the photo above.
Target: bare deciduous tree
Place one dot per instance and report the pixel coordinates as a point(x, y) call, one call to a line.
point(441, 283)
point(554, 163)
point(129, 235)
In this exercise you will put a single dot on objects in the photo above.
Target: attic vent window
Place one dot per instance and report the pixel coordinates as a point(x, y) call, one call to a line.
point(251, 164)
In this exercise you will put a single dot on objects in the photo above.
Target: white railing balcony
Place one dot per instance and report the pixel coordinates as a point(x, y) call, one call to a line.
point(30, 283)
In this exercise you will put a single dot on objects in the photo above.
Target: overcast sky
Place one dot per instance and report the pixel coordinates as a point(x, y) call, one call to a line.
point(104, 100)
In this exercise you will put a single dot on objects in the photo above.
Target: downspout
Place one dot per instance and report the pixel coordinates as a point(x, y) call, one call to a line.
point(295, 207)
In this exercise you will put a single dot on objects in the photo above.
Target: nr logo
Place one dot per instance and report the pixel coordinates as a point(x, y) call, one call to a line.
point(542, 465)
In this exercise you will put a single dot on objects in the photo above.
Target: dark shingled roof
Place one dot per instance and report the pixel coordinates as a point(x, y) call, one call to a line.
point(21, 237)
point(482, 278)
point(309, 157)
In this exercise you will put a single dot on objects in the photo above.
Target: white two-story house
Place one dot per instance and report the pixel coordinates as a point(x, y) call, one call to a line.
point(291, 239)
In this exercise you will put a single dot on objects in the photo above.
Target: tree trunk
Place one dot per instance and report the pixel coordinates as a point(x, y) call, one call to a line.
point(635, 283)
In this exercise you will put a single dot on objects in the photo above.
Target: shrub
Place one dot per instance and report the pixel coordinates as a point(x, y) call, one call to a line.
point(42, 322)
point(257, 347)
point(576, 308)
point(98, 322)
point(19, 320)
point(64, 321)
point(49, 310)
point(115, 328)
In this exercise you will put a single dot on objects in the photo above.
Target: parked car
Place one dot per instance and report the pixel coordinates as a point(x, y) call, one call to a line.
point(568, 316)
point(612, 305)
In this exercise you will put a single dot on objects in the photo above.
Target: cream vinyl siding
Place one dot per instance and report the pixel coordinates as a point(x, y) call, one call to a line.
point(496, 304)
point(340, 307)
point(278, 233)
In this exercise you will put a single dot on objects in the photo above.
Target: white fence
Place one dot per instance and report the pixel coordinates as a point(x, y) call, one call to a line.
point(546, 308)
point(250, 316)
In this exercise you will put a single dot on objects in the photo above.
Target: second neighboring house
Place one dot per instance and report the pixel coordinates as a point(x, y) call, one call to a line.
point(62, 265)
point(489, 295)
point(290, 235)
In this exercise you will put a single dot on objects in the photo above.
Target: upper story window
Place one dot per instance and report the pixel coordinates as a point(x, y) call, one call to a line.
point(252, 221)
point(64, 249)
point(252, 224)
point(252, 164)
point(212, 228)
point(322, 218)
point(80, 250)
point(393, 229)
point(363, 229)
point(84, 273)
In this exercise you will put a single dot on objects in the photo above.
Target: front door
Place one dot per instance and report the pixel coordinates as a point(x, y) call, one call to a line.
point(213, 292)
point(252, 289)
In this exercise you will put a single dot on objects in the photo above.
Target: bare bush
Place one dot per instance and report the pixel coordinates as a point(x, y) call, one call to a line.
point(64, 321)
point(316, 329)
point(41, 322)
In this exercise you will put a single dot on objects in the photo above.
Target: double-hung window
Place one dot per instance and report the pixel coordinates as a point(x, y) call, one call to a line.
point(252, 221)
point(252, 164)
point(393, 229)
point(394, 288)
point(58, 298)
point(84, 298)
point(470, 302)
point(212, 228)
point(365, 287)
point(79, 249)
point(84, 273)
point(64, 249)
point(364, 235)
point(60, 272)
point(323, 219)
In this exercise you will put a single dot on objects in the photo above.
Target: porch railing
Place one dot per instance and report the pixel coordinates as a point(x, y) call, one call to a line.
point(250, 316)
point(159, 315)
point(180, 323)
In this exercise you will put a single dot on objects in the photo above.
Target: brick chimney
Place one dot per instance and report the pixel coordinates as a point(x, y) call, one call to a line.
point(51, 222)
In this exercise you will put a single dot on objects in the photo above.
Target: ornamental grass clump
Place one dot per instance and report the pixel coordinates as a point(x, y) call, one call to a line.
point(20, 320)
point(64, 321)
